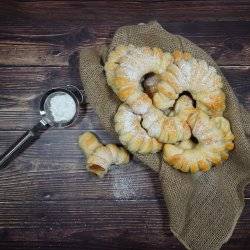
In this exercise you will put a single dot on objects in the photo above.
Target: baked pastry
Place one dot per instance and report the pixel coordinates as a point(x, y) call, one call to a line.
point(155, 87)
point(125, 68)
point(215, 140)
point(187, 74)
point(173, 128)
point(183, 108)
point(100, 157)
point(131, 134)
point(197, 77)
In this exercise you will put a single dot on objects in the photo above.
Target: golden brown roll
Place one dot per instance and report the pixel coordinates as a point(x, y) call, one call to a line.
point(125, 68)
point(100, 157)
point(215, 140)
point(131, 134)
point(172, 128)
point(197, 77)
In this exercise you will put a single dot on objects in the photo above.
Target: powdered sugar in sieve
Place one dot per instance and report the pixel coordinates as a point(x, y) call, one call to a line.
point(61, 107)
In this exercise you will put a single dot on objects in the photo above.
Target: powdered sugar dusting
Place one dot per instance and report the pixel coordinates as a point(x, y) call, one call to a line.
point(62, 107)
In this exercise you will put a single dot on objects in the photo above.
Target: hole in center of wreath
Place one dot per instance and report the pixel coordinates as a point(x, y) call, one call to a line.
point(187, 93)
point(194, 139)
point(149, 82)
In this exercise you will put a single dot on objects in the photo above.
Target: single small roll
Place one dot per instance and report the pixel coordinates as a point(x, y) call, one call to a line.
point(131, 134)
point(215, 140)
point(100, 157)
point(125, 68)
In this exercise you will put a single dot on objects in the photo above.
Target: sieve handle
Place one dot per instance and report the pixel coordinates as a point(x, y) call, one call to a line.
point(23, 142)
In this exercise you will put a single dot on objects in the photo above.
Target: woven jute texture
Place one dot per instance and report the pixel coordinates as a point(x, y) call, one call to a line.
point(204, 207)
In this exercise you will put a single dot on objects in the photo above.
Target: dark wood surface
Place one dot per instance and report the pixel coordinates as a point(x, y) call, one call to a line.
point(47, 199)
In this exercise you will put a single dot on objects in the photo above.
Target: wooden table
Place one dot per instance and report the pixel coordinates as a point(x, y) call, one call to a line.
point(47, 199)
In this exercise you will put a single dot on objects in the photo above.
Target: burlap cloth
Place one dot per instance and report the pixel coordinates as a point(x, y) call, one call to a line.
point(204, 207)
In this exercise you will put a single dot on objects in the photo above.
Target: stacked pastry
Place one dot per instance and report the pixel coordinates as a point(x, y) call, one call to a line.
point(171, 101)
point(193, 132)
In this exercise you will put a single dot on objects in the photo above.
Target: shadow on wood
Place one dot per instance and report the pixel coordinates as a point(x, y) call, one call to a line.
point(75, 78)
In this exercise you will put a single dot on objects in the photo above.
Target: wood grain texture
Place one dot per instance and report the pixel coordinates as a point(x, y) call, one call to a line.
point(22, 87)
point(47, 199)
point(105, 224)
point(72, 22)
point(99, 11)
point(43, 171)
point(225, 50)
point(43, 167)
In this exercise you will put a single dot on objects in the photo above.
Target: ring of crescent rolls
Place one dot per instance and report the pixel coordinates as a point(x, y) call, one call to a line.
point(159, 116)
point(125, 68)
point(215, 141)
point(132, 134)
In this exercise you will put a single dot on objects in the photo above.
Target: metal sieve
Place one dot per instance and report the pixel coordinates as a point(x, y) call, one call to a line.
point(47, 121)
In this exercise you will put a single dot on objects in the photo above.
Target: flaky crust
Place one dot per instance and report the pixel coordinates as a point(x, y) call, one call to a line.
point(169, 129)
point(161, 111)
point(186, 73)
point(100, 157)
point(197, 77)
point(215, 140)
point(131, 133)
point(125, 68)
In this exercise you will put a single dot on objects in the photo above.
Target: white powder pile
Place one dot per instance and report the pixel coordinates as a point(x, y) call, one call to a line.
point(62, 107)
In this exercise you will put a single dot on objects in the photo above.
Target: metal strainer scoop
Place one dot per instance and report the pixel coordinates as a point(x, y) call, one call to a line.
point(59, 107)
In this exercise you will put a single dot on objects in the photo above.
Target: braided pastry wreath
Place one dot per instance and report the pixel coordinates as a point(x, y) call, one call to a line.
point(171, 101)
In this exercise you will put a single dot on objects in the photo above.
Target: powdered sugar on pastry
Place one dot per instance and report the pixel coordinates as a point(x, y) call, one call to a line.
point(125, 68)
point(214, 142)
point(200, 79)
point(100, 157)
point(169, 129)
point(158, 112)
point(131, 134)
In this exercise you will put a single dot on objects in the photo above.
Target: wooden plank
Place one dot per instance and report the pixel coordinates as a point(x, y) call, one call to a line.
point(226, 51)
point(238, 78)
point(21, 93)
point(22, 87)
point(70, 34)
point(90, 224)
point(34, 54)
point(51, 144)
point(68, 23)
point(99, 11)
point(97, 225)
point(44, 172)
point(29, 38)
